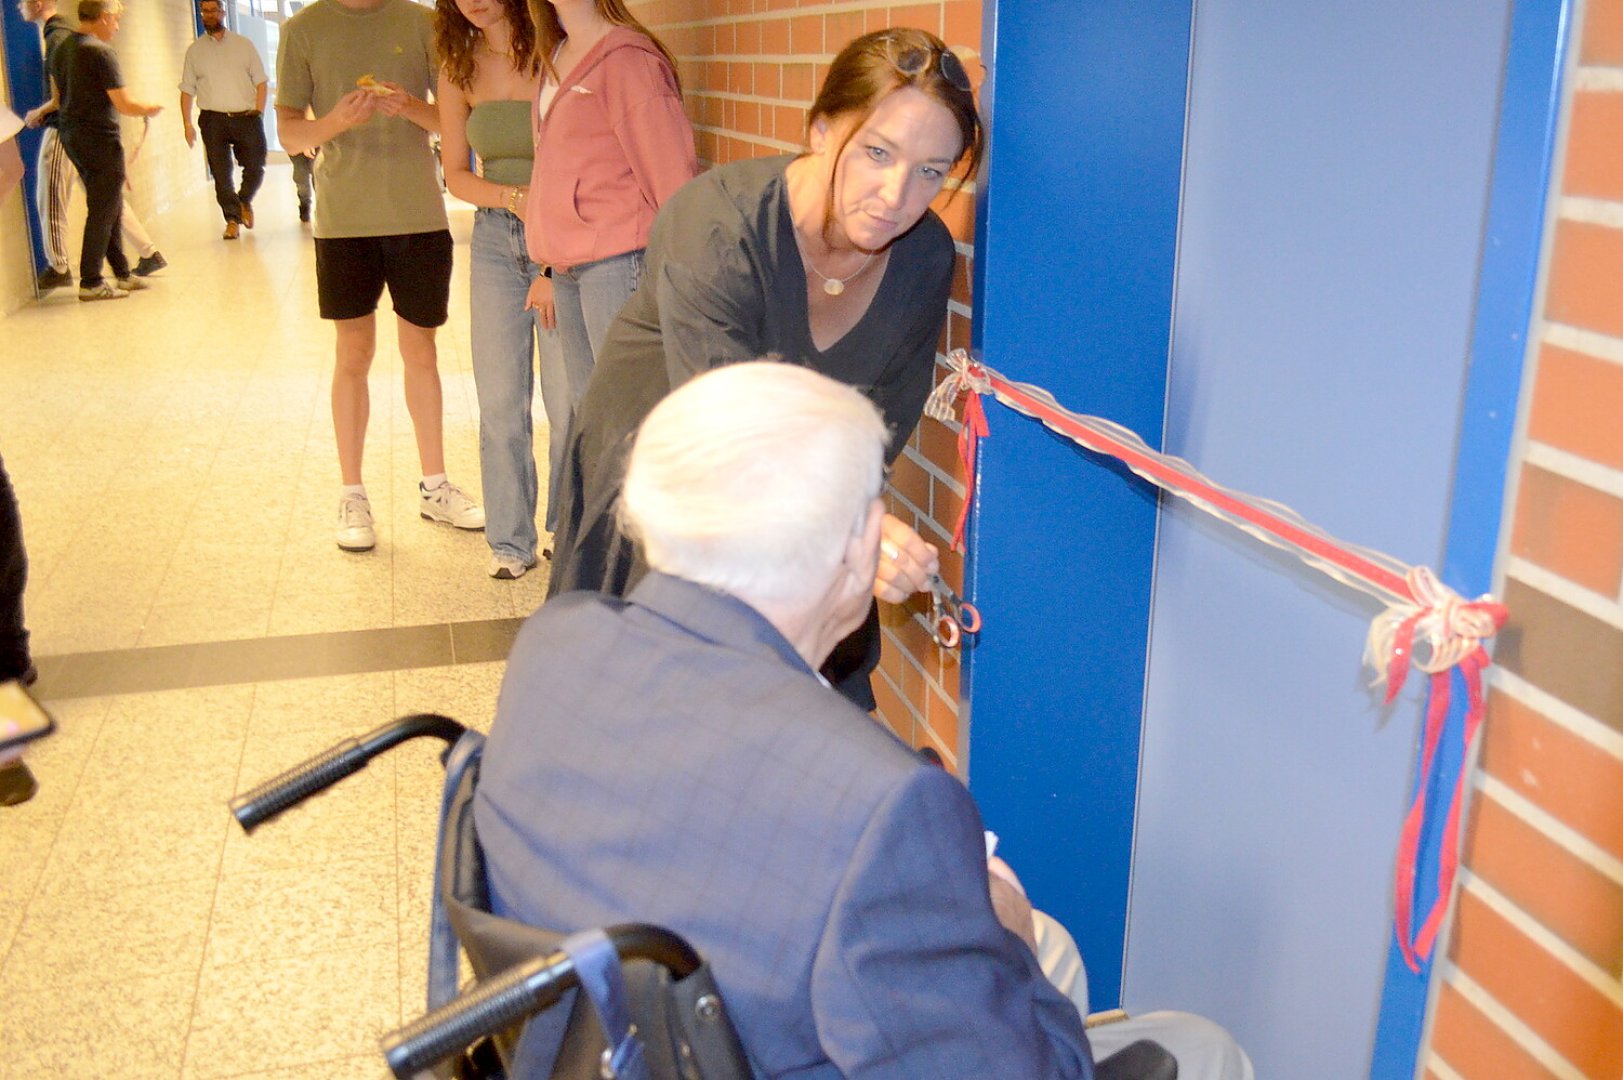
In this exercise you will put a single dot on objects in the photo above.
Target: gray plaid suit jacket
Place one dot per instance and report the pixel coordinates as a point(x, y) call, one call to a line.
point(669, 758)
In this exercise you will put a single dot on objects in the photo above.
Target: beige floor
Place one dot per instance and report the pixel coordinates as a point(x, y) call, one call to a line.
point(174, 459)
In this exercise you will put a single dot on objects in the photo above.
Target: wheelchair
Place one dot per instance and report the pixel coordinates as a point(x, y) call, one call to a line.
point(628, 1002)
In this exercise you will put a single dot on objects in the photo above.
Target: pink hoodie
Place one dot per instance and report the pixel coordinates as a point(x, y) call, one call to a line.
point(612, 147)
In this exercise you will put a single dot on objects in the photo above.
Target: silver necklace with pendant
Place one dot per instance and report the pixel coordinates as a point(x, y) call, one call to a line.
point(831, 285)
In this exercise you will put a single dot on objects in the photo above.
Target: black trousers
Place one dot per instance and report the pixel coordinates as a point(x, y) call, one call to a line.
point(13, 576)
point(225, 135)
point(100, 160)
point(304, 171)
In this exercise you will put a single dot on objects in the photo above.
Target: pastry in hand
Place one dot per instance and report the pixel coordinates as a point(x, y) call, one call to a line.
point(372, 86)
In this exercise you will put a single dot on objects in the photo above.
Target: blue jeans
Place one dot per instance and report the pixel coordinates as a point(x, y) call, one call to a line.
point(506, 339)
point(588, 297)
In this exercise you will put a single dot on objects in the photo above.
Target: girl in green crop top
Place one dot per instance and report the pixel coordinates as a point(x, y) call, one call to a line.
point(491, 75)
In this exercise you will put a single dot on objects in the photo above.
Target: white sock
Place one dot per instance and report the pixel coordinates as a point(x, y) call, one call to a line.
point(432, 482)
point(352, 489)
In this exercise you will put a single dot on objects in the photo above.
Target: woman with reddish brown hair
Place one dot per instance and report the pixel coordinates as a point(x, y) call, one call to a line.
point(491, 73)
point(831, 259)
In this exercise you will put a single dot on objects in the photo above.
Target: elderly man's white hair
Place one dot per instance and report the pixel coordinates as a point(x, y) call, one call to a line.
point(752, 479)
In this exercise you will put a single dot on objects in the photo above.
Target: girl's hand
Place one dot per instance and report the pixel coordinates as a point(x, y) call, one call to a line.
point(540, 300)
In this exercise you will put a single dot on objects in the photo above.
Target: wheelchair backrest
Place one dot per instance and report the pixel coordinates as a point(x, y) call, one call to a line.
point(685, 1028)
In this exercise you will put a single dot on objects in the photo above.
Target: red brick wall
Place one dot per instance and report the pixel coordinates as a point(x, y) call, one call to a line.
point(1533, 981)
point(749, 70)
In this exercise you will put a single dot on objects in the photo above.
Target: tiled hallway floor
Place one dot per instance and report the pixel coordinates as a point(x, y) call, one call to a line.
point(173, 455)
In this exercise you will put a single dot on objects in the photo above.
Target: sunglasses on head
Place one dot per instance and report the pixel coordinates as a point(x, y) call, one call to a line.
point(913, 60)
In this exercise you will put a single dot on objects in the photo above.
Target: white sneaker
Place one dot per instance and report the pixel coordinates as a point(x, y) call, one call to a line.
point(508, 567)
point(451, 505)
point(355, 524)
point(132, 284)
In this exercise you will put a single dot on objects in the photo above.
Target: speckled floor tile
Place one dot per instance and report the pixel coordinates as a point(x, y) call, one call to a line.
point(338, 705)
point(104, 847)
point(206, 618)
point(188, 778)
point(102, 936)
point(201, 714)
point(303, 910)
point(132, 1030)
point(291, 1011)
point(369, 1067)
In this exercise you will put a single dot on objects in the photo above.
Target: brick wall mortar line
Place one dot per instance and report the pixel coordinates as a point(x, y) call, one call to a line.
point(1605, 739)
point(1589, 342)
point(1578, 469)
point(929, 680)
point(1437, 1065)
point(948, 754)
point(1543, 937)
point(925, 521)
point(1596, 77)
point(1608, 609)
point(1607, 213)
point(934, 471)
point(890, 490)
point(838, 7)
point(1509, 1023)
point(1546, 825)
point(918, 717)
point(748, 99)
point(756, 140)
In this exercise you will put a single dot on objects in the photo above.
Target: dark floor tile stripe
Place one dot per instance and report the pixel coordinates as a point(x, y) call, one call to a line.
point(297, 656)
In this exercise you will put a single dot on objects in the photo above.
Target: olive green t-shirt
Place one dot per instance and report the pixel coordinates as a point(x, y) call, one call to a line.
point(377, 179)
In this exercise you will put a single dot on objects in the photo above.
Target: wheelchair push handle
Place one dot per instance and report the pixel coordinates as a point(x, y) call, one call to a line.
point(518, 993)
point(327, 768)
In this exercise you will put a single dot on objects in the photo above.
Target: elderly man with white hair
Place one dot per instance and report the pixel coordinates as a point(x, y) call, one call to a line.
point(673, 757)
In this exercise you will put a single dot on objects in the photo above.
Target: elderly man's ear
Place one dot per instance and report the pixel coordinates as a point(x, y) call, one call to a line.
point(862, 550)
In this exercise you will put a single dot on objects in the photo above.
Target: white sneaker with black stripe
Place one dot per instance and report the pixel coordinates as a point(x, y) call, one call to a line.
point(451, 505)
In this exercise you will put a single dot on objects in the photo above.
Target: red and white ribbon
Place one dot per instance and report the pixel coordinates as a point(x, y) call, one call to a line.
point(1419, 609)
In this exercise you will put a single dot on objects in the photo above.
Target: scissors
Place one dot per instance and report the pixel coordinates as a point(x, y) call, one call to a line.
point(951, 616)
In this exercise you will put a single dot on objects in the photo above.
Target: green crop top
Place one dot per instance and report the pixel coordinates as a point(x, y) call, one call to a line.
point(499, 132)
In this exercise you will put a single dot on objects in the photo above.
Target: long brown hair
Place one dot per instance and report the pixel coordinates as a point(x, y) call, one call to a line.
point(865, 72)
point(549, 33)
point(456, 40)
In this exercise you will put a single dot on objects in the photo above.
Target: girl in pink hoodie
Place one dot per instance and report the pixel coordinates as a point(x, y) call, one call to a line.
point(611, 145)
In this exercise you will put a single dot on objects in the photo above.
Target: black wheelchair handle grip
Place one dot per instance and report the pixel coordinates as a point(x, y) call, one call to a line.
point(299, 783)
point(488, 1008)
point(518, 993)
point(326, 769)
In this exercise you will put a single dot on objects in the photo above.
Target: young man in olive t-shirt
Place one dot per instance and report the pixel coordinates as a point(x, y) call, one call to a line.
point(380, 222)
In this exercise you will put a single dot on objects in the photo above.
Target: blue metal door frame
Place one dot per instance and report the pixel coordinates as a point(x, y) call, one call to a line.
point(1529, 116)
point(1077, 211)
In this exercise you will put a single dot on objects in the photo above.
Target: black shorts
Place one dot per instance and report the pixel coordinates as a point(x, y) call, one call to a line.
point(351, 272)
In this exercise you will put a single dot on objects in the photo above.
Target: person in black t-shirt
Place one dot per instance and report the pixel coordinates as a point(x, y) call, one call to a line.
point(89, 90)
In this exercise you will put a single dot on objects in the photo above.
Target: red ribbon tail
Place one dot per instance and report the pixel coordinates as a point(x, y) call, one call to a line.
point(969, 436)
point(1397, 665)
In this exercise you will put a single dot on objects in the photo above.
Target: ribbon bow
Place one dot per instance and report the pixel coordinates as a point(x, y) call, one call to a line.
point(964, 376)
